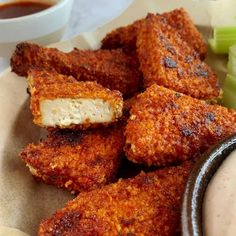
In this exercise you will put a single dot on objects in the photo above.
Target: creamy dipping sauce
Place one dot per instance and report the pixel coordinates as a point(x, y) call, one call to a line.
point(219, 207)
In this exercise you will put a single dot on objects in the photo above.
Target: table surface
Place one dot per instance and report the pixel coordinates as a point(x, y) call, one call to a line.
point(86, 16)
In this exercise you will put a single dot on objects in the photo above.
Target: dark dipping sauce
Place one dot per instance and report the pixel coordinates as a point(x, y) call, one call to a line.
point(22, 8)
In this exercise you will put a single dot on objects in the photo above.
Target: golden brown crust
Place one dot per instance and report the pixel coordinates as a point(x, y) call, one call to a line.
point(113, 69)
point(148, 204)
point(178, 19)
point(123, 37)
point(166, 127)
point(167, 60)
point(77, 161)
point(45, 85)
point(128, 103)
point(38, 78)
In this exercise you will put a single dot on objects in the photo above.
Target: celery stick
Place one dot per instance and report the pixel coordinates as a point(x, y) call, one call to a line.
point(229, 92)
point(228, 37)
point(231, 68)
point(229, 99)
point(212, 45)
point(223, 38)
point(232, 50)
point(229, 41)
point(224, 29)
point(220, 48)
point(219, 31)
point(232, 59)
point(230, 83)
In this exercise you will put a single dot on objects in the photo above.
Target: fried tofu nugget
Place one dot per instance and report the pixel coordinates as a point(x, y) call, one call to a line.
point(178, 20)
point(128, 103)
point(113, 69)
point(123, 37)
point(39, 78)
point(61, 101)
point(77, 161)
point(165, 59)
point(148, 204)
point(181, 21)
point(167, 127)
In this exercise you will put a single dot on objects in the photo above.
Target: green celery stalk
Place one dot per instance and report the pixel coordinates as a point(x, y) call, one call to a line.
point(230, 83)
point(229, 92)
point(232, 50)
point(223, 38)
point(232, 57)
point(218, 47)
point(229, 99)
point(231, 66)
point(232, 69)
point(219, 31)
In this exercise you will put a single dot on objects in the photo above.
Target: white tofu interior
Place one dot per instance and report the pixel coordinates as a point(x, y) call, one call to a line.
point(66, 111)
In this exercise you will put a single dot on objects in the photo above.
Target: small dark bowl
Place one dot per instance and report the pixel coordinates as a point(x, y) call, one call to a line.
point(197, 183)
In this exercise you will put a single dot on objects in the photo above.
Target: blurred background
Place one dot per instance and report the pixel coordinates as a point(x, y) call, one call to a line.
point(87, 15)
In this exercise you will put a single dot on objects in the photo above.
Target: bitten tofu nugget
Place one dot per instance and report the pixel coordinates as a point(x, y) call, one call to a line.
point(60, 101)
point(166, 127)
point(178, 20)
point(165, 59)
point(148, 205)
point(113, 69)
point(76, 160)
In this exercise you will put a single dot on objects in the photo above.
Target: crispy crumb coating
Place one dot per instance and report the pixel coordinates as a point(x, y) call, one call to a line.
point(167, 127)
point(113, 69)
point(178, 19)
point(128, 103)
point(123, 37)
point(165, 59)
point(76, 160)
point(45, 85)
point(38, 78)
point(147, 205)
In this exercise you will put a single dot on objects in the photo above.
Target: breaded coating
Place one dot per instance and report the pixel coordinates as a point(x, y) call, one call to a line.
point(38, 78)
point(76, 160)
point(178, 19)
point(166, 127)
point(165, 59)
point(123, 37)
point(147, 205)
point(61, 101)
point(128, 103)
point(181, 21)
point(113, 69)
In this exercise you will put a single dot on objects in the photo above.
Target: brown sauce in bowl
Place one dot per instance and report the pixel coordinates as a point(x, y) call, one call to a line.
point(22, 8)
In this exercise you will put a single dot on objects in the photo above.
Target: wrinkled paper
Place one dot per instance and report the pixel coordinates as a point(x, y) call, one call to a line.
point(25, 202)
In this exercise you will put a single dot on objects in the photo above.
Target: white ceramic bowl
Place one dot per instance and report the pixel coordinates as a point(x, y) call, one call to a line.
point(44, 27)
